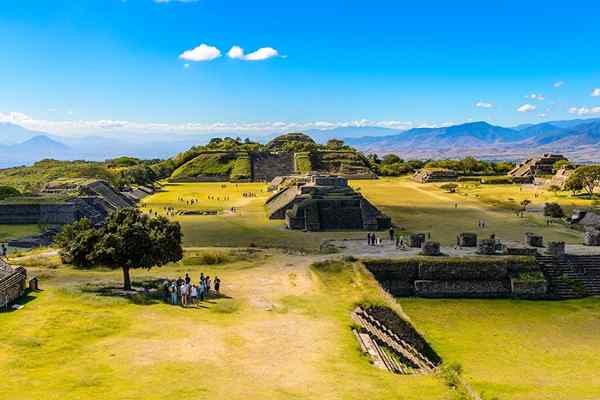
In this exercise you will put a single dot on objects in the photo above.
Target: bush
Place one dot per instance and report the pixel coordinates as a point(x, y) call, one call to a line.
point(449, 187)
point(553, 210)
point(497, 180)
point(207, 258)
point(8, 191)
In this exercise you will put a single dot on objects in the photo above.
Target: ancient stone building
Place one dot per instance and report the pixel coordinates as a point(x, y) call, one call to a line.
point(12, 283)
point(322, 202)
point(537, 166)
point(562, 175)
point(427, 175)
point(65, 202)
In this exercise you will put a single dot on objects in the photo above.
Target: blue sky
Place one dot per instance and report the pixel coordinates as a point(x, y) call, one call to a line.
point(77, 67)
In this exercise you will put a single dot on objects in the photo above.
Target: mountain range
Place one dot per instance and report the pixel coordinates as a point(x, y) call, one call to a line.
point(577, 139)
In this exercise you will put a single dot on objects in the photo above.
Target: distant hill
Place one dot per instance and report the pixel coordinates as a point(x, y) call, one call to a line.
point(14, 134)
point(577, 139)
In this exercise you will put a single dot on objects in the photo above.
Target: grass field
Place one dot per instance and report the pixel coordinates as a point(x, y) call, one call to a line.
point(519, 350)
point(412, 206)
point(8, 232)
point(281, 333)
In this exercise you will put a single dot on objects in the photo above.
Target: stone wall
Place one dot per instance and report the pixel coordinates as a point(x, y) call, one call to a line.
point(59, 213)
point(469, 277)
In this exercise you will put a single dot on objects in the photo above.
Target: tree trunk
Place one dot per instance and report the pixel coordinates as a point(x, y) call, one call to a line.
point(126, 279)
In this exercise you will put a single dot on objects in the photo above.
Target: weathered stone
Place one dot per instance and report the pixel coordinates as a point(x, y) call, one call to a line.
point(487, 247)
point(534, 240)
point(431, 249)
point(426, 175)
point(556, 249)
point(591, 238)
point(321, 202)
point(543, 165)
point(416, 240)
point(467, 240)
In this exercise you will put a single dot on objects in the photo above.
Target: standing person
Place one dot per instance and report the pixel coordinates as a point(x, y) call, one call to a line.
point(173, 290)
point(194, 294)
point(369, 238)
point(187, 279)
point(167, 291)
point(217, 284)
point(207, 281)
point(391, 232)
point(4, 250)
point(202, 288)
point(184, 293)
point(397, 241)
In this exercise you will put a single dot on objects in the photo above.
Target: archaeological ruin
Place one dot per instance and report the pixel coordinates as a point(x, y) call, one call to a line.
point(324, 202)
point(289, 154)
point(537, 166)
point(427, 175)
point(65, 201)
point(12, 283)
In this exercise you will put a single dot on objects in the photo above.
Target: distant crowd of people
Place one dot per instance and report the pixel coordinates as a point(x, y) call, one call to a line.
point(399, 240)
point(183, 292)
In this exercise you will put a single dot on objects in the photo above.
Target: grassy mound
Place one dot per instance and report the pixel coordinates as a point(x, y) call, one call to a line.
point(207, 164)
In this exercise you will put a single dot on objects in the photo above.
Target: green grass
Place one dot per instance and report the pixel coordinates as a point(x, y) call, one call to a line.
point(518, 350)
point(207, 164)
point(426, 208)
point(283, 333)
point(8, 232)
point(413, 207)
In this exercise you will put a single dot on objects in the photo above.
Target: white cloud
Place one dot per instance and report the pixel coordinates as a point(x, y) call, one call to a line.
point(203, 52)
point(584, 110)
point(596, 92)
point(535, 96)
point(483, 104)
point(116, 128)
point(264, 53)
point(525, 108)
point(558, 84)
point(236, 52)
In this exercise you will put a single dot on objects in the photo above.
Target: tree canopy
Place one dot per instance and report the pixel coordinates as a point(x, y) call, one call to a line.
point(128, 239)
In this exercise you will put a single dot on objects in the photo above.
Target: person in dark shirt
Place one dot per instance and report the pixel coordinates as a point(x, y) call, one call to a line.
point(392, 233)
point(217, 284)
point(187, 279)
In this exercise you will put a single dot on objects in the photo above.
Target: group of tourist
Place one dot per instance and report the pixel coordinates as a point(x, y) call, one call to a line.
point(248, 194)
point(183, 292)
point(218, 198)
point(188, 202)
point(481, 224)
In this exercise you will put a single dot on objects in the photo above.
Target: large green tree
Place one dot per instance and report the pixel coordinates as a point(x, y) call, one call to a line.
point(587, 178)
point(128, 240)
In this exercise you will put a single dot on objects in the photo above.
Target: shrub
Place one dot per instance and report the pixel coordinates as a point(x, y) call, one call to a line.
point(8, 191)
point(553, 210)
point(449, 187)
point(497, 180)
point(207, 258)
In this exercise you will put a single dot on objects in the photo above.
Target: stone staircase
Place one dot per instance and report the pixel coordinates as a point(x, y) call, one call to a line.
point(280, 202)
point(266, 166)
point(571, 276)
point(376, 338)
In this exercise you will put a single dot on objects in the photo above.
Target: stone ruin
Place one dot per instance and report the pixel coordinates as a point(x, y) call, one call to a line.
point(591, 238)
point(12, 283)
point(543, 165)
point(466, 239)
point(427, 175)
point(323, 202)
point(534, 240)
point(556, 249)
point(562, 175)
point(66, 201)
point(431, 249)
point(416, 240)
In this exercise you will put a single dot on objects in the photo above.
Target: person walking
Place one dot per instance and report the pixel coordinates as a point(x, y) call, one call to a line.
point(4, 250)
point(369, 236)
point(391, 232)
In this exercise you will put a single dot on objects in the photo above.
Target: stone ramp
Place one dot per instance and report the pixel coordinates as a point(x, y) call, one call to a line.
point(572, 276)
point(280, 202)
point(267, 166)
